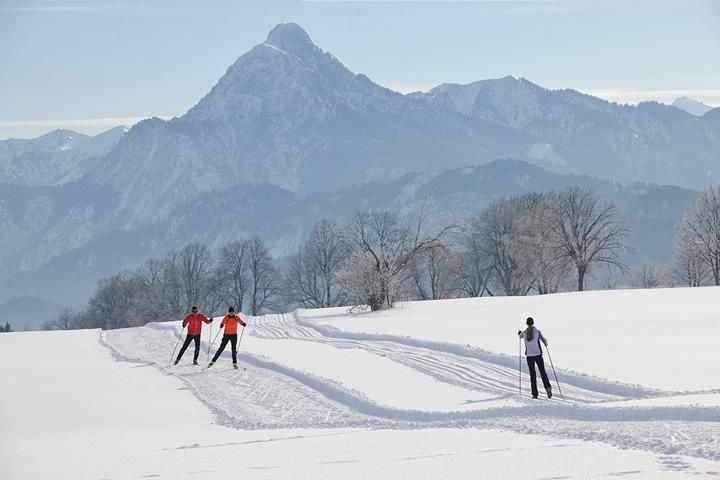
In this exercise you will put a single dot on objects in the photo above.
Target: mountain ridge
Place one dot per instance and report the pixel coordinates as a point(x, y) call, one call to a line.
point(284, 218)
point(288, 128)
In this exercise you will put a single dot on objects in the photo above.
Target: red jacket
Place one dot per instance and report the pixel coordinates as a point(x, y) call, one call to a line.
point(194, 323)
point(231, 324)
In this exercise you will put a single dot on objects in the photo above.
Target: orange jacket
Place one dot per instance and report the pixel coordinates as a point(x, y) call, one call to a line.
point(194, 323)
point(230, 322)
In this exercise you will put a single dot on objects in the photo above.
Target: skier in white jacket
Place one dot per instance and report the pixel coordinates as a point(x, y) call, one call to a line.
point(533, 352)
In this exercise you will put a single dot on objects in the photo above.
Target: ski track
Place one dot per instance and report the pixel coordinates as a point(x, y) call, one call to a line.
point(272, 395)
point(454, 364)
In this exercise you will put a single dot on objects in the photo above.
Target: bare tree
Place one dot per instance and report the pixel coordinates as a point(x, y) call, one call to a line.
point(473, 267)
point(151, 302)
point(263, 277)
point(196, 268)
point(498, 231)
point(536, 236)
point(112, 304)
point(586, 232)
point(607, 277)
point(649, 275)
point(167, 286)
point(363, 282)
point(700, 231)
point(382, 250)
point(311, 278)
point(66, 320)
point(432, 274)
point(688, 267)
point(233, 273)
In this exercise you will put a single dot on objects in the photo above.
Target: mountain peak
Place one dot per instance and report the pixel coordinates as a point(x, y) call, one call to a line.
point(691, 106)
point(289, 37)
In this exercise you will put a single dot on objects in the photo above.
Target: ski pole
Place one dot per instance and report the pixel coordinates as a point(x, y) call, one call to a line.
point(553, 369)
point(520, 365)
point(213, 342)
point(208, 355)
point(241, 334)
point(176, 345)
point(240, 341)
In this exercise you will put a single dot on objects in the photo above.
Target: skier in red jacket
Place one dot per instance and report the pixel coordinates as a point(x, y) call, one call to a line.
point(194, 323)
point(230, 323)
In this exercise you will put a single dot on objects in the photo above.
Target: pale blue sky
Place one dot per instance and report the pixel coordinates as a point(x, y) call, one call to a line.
point(92, 65)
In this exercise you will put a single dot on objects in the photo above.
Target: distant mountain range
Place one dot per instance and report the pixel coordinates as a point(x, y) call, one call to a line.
point(693, 107)
point(61, 156)
point(289, 135)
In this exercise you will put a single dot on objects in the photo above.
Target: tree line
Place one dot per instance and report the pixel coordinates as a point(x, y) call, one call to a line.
point(533, 243)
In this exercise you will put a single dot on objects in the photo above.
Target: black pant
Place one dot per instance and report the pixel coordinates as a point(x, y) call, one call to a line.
point(532, 361)
point(233, 342)
point(189, 339)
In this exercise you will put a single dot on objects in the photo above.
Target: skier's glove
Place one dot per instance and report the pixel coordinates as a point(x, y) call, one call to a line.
point(519, 332)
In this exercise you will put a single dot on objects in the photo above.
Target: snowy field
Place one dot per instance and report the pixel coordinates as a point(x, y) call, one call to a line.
point(428, 390)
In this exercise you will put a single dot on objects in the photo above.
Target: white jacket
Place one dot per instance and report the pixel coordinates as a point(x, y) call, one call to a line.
point(532, 347)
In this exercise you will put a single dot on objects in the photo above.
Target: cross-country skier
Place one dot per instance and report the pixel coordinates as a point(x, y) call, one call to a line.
point(230, 323)
point(533, 352)
point(194, 323)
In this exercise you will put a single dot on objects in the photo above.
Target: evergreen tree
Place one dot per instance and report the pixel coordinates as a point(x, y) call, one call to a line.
point(7, 327)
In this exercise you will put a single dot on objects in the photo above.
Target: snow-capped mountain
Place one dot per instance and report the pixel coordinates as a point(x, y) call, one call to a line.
point(574, 132)
point(693, 107)
point(289, 114)
point(58, 157)
point(289, 135)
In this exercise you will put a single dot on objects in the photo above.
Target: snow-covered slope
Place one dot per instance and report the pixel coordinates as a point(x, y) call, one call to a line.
point(693, 107)
point(427, 390)
point(59, 157)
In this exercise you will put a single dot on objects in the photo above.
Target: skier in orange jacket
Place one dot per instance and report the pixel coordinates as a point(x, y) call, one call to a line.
point(194, 323)
point(230, 323)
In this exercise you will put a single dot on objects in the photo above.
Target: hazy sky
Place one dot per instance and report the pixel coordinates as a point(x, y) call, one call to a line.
point(89, 66)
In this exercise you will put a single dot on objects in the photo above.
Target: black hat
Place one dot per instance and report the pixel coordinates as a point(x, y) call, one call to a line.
point(530, 321)
point(231, 309)
point(193, 307)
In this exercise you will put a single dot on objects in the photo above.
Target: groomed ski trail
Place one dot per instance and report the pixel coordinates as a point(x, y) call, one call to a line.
point(273, 395)
point(459, 365)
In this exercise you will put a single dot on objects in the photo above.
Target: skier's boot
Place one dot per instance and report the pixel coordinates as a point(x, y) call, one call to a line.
point(549, 391)
point(210, 364)
point(195, 362)
point(176, 361)
point(235, 366)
